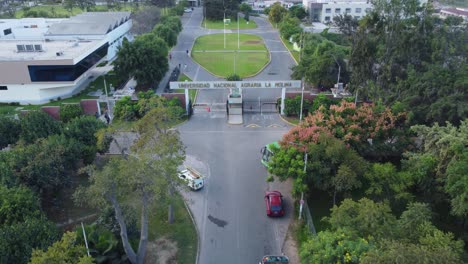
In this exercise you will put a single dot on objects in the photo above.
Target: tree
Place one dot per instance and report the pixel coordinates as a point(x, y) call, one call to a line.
point(162, 3)
point(220, 9)
point(173, 22)
point(386, 183)
point(10, 130)
point(374, 131)
point(338, 246)
point(321, 61)
point(64, 251)
point(17, 204)
point(140, 176)
point(18, 240)
point(144, 20)
point(297, 11)
point(167, 34)
point(277, 12)
point(36, 125)
point(392, 251)
point(145, 59)
point(70, 111)
point(456, 184)
point(245, 8)
point(289, 26)
point(365, 217)
point(45, 166)
point(83, 130)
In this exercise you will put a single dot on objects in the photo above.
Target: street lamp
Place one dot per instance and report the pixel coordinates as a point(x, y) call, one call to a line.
point(302, 79)
point(301, 203)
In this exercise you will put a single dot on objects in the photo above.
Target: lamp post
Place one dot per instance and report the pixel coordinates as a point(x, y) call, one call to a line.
point(301, 203)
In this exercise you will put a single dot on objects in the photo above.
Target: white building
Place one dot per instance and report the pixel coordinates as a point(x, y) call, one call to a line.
point(43, 59)
point(457, 12)
point(324, 10)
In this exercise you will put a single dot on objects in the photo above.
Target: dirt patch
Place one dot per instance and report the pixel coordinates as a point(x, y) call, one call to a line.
point(253, 42)
point(161, 251)
point(290, 246)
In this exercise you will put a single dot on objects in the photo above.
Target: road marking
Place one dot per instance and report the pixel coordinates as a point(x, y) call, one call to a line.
point(274, 126)
point(196, 73)
point(252, 126)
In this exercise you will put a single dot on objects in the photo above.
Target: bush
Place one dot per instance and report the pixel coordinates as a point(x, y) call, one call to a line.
point(69, 112)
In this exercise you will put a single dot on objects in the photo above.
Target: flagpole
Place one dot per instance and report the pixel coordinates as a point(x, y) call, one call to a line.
point(238, 41)
point(224, 25)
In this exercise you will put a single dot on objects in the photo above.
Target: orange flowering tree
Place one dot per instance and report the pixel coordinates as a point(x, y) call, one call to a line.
point(372, 129)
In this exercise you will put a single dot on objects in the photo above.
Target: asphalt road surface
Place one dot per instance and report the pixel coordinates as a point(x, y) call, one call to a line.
point(230, 210)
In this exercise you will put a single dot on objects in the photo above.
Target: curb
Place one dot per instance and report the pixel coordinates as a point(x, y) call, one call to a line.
point(196, 229)
point(287, 122)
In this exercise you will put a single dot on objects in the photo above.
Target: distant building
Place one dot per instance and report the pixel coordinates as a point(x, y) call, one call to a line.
point(325, 10)
point(458, 12)
point(42, 59)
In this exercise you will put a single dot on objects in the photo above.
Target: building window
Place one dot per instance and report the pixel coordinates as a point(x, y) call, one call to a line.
point(357, 17)
point(328, 10)
point(66, 73)
point(358, 10)
point(3, 88)
point(348, 10)
point(327, 18)
point(368, 10)
point(337, 10)
point(7, 31)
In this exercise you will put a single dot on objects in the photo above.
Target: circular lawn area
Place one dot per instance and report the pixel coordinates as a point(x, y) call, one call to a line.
point(246, 61)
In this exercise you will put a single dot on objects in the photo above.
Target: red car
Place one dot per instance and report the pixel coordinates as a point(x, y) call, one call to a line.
point(274, 203)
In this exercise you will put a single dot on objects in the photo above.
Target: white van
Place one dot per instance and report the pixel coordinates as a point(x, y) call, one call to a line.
point(193, 178)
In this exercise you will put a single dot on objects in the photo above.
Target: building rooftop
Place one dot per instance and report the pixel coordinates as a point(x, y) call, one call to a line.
point(51, 50)
point(91, 23)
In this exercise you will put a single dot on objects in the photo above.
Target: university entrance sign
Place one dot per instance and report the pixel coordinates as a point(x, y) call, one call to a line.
point(236, 84)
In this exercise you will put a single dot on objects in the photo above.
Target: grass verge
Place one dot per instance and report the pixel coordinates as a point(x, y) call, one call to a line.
point(218, 24)
point(252, 56)
point(181, 231)
point(289, 46)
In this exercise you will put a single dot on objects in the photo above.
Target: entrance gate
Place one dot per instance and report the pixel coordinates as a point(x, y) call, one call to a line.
point(235, 105)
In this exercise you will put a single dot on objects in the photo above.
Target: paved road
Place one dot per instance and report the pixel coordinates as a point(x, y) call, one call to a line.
point(230, 211)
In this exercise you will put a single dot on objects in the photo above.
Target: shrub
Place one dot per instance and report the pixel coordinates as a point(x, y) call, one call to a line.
point(70, 111)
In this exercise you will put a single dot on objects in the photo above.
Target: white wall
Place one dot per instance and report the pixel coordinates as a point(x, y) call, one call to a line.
point(357, 10)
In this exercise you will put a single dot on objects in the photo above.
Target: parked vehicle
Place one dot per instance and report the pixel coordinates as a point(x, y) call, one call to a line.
point(268, 152)
point(193, 178)
point(274, 203)
point(274, 260)
point(187, 10)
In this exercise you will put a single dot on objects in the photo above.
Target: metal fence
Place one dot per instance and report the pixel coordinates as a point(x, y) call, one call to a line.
point(308, 218)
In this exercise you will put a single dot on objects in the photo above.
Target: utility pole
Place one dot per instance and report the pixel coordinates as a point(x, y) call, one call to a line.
point(107, 96)
point(301, 203)
point(302, 79)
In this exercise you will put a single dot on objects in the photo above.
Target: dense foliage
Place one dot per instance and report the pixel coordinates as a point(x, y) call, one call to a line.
point(220, 9)
point(127, 109)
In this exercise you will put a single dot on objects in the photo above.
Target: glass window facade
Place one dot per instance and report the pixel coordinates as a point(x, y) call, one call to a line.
point(66, 73)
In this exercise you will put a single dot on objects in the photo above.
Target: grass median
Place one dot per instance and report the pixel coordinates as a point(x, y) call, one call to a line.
point(218, 24)
point(245, 59)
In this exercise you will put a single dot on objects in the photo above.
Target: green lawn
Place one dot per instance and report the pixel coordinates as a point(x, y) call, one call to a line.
point(181, 231)
point(60, 11)
point(216, 42)
point(208, 51)
point(233, 25)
